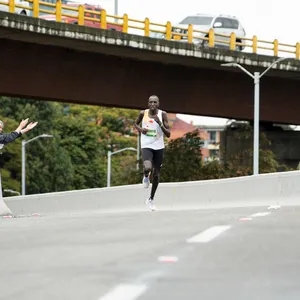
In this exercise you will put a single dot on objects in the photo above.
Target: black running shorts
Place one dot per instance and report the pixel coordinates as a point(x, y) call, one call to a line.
point(155, 156)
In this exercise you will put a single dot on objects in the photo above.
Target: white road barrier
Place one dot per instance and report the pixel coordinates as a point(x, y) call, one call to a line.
point(4, 210)
point(261, 190)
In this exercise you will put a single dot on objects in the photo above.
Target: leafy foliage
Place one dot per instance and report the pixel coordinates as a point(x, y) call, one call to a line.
point(76, 156)
point(183, 158)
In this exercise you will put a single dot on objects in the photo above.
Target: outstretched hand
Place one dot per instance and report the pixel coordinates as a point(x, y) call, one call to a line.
point(23, 123)
point(23, 128)
point(31, 125)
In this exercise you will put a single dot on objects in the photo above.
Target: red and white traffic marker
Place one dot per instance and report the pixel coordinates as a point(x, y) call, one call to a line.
point(35, 215)
point(168, 259)
point(7, 217)
point(245, 219)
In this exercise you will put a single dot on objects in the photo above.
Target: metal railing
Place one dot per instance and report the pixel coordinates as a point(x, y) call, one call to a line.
point(147, 28)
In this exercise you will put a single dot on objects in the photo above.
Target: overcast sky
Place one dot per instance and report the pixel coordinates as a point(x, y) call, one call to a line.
point(268, 20)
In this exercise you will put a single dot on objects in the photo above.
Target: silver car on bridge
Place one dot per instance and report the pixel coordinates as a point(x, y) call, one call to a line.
point(221, 24)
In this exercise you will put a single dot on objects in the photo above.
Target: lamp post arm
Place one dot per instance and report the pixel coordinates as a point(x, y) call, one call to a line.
point(121, 150)
point(245, 70)
point(35, 138)
point(274, 63)
point(109, 155)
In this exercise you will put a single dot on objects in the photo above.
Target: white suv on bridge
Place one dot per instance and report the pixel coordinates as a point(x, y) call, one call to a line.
point(222, 24)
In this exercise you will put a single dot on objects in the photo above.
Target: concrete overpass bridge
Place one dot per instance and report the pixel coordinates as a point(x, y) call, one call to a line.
point(73, 63)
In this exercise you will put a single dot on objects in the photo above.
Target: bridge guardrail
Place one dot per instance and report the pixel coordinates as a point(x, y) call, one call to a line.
point(148, 28)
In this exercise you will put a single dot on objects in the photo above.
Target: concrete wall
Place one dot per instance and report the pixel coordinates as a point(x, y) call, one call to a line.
point(262, 190)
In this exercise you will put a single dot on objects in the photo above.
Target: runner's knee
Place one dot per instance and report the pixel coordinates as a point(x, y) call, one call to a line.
point(147, 165)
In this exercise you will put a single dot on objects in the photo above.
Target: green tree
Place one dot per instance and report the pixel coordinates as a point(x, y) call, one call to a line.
point(183, 158)
point(80, 141)
point(213, 170)
point(49, 167)
point(76, 156)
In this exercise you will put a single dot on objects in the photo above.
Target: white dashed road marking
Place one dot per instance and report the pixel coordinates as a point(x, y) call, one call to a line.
point(260, 214)
point(208, 234)
point(274, 207)
point(125, 292)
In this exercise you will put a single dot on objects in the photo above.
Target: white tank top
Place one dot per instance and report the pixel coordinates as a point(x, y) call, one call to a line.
point(154, 139)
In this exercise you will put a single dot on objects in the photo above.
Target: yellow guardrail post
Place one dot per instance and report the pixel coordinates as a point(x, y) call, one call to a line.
point(232, 41)
point(103, 19)
point(168, 30)
point(190, 33)
point(254, 44)
point(211, 38)
point(58, 10)
point(11, 6)
point(147, 27)
point(298, 50)
point(35, 8)
point(125, 23)
point(276, 44)
point(80, 15)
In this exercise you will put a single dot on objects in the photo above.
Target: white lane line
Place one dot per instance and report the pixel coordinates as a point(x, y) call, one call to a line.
point(274, 206)
point(125, 292)
point(208, 234)
point(260, 214)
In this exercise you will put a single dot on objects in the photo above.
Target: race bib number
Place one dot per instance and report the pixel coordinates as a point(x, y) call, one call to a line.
point(151, 132)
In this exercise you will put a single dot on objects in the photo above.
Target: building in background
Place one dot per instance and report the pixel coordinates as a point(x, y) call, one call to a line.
point(212, 141)
point(210, 134)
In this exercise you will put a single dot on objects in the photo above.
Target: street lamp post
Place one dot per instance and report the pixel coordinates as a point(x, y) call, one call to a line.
point(116, 7)
point(138, 152)
point(24, 143)
point(109, 155)
point(256, 77)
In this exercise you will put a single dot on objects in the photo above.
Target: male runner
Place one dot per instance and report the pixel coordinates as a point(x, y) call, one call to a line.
point(154, 126)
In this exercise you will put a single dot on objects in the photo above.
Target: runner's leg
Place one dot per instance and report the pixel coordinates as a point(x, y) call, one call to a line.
point(147, 156)
point(157, 164)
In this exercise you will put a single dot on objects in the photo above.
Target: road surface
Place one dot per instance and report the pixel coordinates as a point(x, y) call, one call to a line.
point(229, 253)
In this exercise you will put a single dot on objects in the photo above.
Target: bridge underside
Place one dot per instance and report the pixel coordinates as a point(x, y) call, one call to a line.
point(33, 70)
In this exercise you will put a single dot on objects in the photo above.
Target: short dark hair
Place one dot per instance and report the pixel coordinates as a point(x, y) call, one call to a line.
point(154, 96)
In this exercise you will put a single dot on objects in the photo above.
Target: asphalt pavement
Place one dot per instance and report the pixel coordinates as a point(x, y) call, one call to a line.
point(227, 253)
